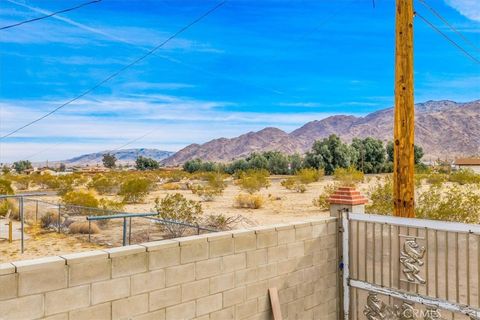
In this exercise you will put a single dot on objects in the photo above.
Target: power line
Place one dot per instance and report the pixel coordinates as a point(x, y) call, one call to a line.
point(49, 15)
point(435, 12)
point(113, 75)
point(447, 37)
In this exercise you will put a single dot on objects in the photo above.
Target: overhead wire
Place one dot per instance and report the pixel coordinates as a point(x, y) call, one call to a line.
point(113, 75)
point(430, 24)
point(49, 15)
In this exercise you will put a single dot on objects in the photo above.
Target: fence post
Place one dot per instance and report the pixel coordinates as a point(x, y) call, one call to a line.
point(343, 201)
point(10, 231)
point(129, 230)
point(58, 220)
point(36, 211)
point(89, 230)
point(20, 209)
point(124, 231)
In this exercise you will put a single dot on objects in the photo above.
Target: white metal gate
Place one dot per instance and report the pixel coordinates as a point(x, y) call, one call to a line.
point(400, 268)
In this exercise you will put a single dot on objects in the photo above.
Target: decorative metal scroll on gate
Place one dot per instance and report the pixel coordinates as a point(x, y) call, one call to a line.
point(411, 259)
point(376, 309)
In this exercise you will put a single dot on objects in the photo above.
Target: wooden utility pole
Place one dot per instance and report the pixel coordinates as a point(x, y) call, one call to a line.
point(404, 162)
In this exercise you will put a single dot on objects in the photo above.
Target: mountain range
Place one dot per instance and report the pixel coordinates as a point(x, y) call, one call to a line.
point(444, 129)
point(123, 156)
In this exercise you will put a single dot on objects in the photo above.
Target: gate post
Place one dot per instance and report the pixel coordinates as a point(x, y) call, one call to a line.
point(343, 201)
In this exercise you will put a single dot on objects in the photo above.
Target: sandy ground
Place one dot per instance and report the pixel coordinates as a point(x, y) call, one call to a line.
point(281, 205)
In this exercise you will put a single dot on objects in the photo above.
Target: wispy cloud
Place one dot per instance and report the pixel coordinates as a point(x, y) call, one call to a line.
point(468, 8)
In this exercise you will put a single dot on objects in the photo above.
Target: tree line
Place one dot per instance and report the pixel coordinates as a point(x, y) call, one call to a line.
point(368, 155)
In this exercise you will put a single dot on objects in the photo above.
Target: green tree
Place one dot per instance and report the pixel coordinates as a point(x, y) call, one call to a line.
point(371, 154)
point(62, 167)
point(329, 154)
point(109, 160)
point(257, 161)
point(22, 165)
point(143, 163)
point(277, 162)
point(417, 152)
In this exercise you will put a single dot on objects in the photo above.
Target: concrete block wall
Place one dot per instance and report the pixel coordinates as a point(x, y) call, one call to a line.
point(223, 275)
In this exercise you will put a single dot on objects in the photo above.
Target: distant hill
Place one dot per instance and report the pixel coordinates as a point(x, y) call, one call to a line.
point(444, 129)
point(123, 156)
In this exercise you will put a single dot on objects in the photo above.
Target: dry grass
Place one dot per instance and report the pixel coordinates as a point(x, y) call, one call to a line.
point(82, 227)
point(251, 201)
point(171, 186)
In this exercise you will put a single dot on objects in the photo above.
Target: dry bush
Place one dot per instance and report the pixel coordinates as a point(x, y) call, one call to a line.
point(251, 201)
point(134, 190)
point(49, 220)
point(294, 184)
point(348, 176)
point(464, 176)
point(322, 200)
point(82, 227)
point(6, 187)
point(253, 180)
point(75, 200)
point(308, 175)
point(221, 221)
point(9, 207)
point(104, 184)
point(171, 186)
point(381, 197)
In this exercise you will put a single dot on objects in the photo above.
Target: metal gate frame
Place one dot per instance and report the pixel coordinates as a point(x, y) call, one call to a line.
point(346, 217)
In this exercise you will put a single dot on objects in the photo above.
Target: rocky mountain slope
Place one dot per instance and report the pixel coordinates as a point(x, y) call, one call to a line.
point(444, 129)
point(123, 156)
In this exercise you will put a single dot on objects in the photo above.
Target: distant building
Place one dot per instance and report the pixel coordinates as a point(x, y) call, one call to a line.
point(468, 163)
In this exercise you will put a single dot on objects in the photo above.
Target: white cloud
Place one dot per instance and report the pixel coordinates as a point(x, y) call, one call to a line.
point(468, 8)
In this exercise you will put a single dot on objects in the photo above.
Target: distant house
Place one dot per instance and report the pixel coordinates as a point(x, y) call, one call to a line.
point(468, 163)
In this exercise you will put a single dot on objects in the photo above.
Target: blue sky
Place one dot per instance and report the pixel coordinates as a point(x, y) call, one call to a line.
point(249, 65)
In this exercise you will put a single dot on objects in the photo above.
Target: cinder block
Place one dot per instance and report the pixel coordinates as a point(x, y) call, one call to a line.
point(43, 277)
point(180, 274)
point(148, 281)
point(194, 290)
point(8, 286)
point(287, 295)
point(279, 282)
point(164, 256)
point(131, 306)
point(234, 262)
point(89, 271)
point(86, 256)
point(267, 271)
point(100, 311)
point(224, 314)
point(36, 264)
point(221, 247)
point(110, 290)
point(193, 250)
point(263, 303)
point(246, 309)
point(246, 276)
point(234, 296)
point(245, 241)
point(208, 268)
point(278, 253)
point(296, 249)
point(155, 315)
point(332, 228)
point(67, 299)
point(60, 316)
point(304, 261)
point(257, 258)
point(257, 289)
point(222, 283)
point(319, 230)
point(266, 239)
point(125, 251)
point(126, 265)
point(30, 307)
point(294, 278)
point(303, 232)
point(166, 297)
point(209, 304)
point(313, 246)
point(181, 311)
point(286, 266)
point(6, 268)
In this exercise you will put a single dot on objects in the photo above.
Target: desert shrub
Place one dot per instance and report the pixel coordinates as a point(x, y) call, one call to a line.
point(294, 184)
point(253, 180)
point(251, 201)
point(79, 198)
point(110, 205)
point(82, 227)
point(171, 186)
point(464, 176)
point(143, 163)
point(9, 207)
point(176, 207)
point(322, 201)
point(381, 197)
point(46, 181)
point(348, 176)
point(135, 190)
point(6, 187)
point(436, 178)
point(49, 220)
point(103, 184)
point(214, 186)
point(309, 175)
point(220, 221)
point(22, 182)
point(453, 203)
